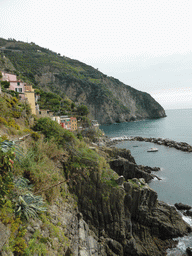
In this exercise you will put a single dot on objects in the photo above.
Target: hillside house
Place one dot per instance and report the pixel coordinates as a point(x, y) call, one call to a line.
point(56, 118)
point(73, 123)
point(65, 122)
point(45, 113)
point(26, 92)
point(15, 85)
point(29, 94)
point(95, 124)
point(68, 123)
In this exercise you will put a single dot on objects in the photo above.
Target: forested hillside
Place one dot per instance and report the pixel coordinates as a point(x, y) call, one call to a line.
point(108, 99)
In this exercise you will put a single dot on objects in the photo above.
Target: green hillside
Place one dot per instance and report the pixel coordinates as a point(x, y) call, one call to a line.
point(108, 99)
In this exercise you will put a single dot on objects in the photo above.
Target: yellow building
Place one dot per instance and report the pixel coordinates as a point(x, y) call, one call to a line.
point(30, 96)
point(73, 123)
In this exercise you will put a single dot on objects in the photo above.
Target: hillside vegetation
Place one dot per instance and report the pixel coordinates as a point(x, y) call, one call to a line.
point(61, 193)
point(108, 99)
point(32, 179)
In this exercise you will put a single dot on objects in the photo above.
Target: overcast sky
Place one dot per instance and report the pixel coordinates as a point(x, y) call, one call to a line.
point(144, 43)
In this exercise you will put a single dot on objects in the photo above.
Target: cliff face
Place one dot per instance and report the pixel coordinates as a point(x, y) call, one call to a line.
point(111, 101)
point(96, 212)
point(127, 218)
point(108, 99)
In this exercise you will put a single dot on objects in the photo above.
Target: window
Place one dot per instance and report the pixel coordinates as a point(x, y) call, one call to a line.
point(18, 83)
point(18, 89)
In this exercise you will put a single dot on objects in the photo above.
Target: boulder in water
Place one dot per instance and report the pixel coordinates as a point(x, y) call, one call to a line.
point(188, 213)
point(181, 206)
point(189, 251)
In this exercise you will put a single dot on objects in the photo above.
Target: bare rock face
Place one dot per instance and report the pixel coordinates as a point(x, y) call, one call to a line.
point(129, 170)
point(181, 206)
point(111, 101)
point(130, 215)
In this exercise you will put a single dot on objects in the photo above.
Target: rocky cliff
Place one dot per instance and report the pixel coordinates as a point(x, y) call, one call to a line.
point(98, 212)
point(108, 99)
point(125, 215)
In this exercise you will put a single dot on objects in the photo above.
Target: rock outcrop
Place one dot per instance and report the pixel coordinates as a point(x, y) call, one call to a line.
point(127, 217)
point(123, 163)
point(103, 216)
point(189, 251)
point(130, 215)
point(130, 170)
point(181, 206)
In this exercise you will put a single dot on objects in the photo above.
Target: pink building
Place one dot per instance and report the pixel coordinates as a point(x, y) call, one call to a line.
point(15, 85)
point(65, 122)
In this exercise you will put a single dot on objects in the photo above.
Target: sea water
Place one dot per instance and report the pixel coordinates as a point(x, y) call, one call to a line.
point(176, 166)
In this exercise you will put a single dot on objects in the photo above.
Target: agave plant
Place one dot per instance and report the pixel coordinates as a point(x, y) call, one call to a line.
point(30, 206)
point(7, 145)
point(22, 183)
point(27, 204)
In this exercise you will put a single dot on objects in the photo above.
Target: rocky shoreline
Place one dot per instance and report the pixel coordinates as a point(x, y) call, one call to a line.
point(116, 214)
point(183, 146)
point(124, 164)
point(127, 218)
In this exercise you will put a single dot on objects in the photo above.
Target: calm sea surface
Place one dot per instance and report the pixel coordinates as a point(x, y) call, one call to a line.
point(176, 166)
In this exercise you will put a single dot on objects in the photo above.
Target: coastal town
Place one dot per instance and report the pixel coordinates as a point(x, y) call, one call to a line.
point(66, 188)
point(27, 93)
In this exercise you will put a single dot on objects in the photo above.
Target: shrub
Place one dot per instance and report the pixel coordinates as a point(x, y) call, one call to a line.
point(12, 131)
point(16, 114)
point(4, 137)
point(14, 101)
point(12, 123)
point(4, 107)
point(6, 176)
point(13, 93)
point(3, 121)
point(38, 168)
point(16, 243)
point(52, 129)
point(35, 136)
point(5, 84)
point(36, 245)
point(79, 136)
point(27, 130)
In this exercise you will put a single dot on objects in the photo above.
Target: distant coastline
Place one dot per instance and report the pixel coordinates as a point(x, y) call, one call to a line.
point(183, 146)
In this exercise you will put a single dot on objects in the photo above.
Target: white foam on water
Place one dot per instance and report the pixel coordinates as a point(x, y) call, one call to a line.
point(187, 219)
point(183, 242)
point(120, 138)
point(163, 179)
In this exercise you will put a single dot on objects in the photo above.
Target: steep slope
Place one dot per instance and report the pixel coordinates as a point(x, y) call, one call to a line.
point(108, 99)
point(89, 200)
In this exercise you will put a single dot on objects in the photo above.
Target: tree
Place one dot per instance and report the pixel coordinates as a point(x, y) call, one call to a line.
point(5, 84)
point(83, 110)
point(72, 105)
